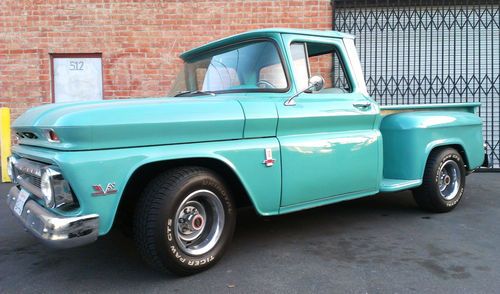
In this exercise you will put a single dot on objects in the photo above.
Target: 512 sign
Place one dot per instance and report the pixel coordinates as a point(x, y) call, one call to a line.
point(77, 77)
point(76, 65)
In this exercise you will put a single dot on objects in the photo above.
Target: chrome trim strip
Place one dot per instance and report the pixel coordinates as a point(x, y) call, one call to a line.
point(30, 167)
point(55, 230)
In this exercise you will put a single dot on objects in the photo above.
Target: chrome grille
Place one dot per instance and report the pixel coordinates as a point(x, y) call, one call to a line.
point(35, 180)
point(28, 174)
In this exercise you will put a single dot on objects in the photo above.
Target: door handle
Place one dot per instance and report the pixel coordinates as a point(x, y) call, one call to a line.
point(362, 105)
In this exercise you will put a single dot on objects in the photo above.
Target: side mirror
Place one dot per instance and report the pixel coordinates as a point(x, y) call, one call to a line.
point(316, 83)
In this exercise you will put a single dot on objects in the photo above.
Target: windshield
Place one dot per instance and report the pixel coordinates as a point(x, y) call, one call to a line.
point(248, 67)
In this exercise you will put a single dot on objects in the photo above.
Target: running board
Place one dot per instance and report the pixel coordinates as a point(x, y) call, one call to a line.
point(393, 185)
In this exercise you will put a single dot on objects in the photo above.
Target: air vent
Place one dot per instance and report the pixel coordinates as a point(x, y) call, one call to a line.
point(30, 135)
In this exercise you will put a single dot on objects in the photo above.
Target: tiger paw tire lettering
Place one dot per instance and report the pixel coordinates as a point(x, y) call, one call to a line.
point(184, 220)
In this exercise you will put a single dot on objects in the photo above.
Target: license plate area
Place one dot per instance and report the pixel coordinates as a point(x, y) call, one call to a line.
point(22, 197)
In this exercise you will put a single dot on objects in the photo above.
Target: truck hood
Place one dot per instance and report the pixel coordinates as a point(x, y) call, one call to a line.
point(132, 122)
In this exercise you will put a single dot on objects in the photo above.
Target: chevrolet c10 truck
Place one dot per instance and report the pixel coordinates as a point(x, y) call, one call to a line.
point(279, 119)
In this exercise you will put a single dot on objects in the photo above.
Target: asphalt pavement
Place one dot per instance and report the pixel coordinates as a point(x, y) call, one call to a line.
point(379, 244)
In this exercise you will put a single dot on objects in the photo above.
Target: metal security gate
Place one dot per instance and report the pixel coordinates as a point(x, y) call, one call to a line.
point(430, 52)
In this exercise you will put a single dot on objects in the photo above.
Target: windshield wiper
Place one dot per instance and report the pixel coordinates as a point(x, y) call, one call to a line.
point(183, 93)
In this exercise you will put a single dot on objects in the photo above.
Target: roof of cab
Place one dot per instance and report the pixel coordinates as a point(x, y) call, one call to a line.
point(260, 33)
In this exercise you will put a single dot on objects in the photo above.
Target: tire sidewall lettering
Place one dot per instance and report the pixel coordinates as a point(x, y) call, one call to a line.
point(181, 257)
point(172, 245)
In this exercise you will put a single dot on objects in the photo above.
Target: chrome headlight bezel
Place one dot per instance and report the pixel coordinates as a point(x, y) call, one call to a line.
point(55, 189)
point(47, 187)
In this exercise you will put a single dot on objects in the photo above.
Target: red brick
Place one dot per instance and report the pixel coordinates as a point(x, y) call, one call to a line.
point(140, 42)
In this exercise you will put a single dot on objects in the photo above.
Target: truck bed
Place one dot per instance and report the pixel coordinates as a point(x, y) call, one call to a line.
point(411, 132)
point(463, 107)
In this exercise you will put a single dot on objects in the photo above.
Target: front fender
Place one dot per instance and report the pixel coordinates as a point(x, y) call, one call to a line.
point(84, 169)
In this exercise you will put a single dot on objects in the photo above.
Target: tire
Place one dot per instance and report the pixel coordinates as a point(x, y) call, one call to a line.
point(443, 183)
point(184, 221)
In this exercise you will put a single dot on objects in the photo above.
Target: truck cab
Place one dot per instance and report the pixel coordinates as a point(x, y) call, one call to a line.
point(279, 119)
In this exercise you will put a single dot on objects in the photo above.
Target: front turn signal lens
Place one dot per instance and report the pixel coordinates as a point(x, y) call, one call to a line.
point(51, 135)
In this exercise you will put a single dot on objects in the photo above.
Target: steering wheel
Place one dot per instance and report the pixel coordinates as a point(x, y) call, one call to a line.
point(266, 84)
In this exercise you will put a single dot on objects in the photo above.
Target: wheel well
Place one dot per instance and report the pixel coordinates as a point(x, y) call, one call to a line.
point(144, 174)
point(457, 147)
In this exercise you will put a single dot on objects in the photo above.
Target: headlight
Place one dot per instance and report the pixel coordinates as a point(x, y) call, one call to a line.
point(55, 189)
point(46, 186)
point(10, 168)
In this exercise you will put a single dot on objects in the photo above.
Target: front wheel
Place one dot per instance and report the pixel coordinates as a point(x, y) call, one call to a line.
point(184, 220)
point(443, 183)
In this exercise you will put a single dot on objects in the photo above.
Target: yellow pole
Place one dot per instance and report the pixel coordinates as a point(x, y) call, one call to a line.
point(4, 141)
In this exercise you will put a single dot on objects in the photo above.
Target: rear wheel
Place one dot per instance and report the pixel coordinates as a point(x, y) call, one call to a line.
point(443, 183)
point(184, 220)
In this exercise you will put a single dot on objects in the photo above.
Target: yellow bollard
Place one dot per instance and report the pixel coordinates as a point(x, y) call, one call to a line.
point(4, 141)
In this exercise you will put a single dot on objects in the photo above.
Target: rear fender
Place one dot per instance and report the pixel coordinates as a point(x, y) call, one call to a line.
point(410, 137)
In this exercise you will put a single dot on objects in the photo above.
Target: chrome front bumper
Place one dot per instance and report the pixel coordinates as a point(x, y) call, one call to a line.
point(55, 230)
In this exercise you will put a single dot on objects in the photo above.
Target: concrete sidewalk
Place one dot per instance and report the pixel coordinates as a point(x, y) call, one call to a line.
point(381, 244)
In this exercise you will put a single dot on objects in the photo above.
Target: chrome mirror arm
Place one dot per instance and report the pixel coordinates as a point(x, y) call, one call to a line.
point(316, 83)
point(291, 102)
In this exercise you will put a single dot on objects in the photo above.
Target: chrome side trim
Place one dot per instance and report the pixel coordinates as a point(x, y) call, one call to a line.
point(55, 230)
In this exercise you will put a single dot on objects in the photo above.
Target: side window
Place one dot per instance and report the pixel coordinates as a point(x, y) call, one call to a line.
point(200, 74)
point(339, 76)
point(300, 66)
point(323, 60)
point(329, 66)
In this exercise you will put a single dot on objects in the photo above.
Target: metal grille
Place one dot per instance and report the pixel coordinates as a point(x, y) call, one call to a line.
point(430, 52)
point(32, 179)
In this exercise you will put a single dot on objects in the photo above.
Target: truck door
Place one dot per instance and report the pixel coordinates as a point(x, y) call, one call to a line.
point(329, 143)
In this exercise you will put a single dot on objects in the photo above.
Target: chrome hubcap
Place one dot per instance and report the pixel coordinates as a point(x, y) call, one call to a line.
point(199, 222)
point(449, 180)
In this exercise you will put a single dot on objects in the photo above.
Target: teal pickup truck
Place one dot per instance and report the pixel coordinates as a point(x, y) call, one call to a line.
point(278, 119)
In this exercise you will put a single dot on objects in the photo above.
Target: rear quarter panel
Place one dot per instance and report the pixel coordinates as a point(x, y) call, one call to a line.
point(409, 137)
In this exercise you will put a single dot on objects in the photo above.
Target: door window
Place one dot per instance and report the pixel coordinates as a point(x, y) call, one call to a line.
point(300, 66)
point(323, 60)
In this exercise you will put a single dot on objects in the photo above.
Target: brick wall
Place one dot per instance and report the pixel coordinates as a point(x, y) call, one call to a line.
point(139, 40)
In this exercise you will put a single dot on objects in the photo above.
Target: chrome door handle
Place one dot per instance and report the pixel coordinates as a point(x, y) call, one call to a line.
point(362, 105)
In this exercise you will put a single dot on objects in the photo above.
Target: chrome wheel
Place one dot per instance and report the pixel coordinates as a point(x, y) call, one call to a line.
point(449, 179)
point(198, 222)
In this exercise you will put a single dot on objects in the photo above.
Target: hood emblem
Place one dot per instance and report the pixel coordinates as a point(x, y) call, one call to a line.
point(269, 161)
point(99, 191)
